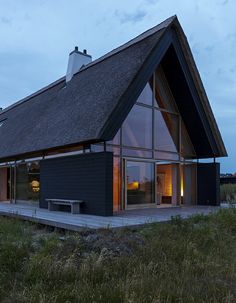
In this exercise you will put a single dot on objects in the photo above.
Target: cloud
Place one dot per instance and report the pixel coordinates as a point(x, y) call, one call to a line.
point(225, 2)
point(151, 1)
point(5, 20)
point(209, 48)
point(135, 17)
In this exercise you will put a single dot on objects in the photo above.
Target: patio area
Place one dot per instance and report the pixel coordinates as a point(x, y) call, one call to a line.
point(77, 222)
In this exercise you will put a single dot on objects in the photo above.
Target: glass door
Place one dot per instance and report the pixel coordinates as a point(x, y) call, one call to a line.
point(139, 183)
point(168, 184)
point(27, 184)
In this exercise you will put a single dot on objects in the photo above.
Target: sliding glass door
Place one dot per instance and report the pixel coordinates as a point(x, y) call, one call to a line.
point(139, 183)
point(168, 184)
point(27, 182)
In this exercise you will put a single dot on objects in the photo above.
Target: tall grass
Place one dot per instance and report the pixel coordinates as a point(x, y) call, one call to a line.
point(228, 193)
point(185, 261)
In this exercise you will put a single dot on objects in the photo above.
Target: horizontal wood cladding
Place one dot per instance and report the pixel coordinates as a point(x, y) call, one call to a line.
point(87, 177)
point(208, 183)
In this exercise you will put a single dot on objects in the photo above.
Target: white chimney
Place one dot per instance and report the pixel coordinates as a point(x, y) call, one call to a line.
point(77, 59)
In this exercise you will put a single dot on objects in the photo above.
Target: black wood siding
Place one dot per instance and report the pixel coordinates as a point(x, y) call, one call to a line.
point(87, 177)
point(208, 179)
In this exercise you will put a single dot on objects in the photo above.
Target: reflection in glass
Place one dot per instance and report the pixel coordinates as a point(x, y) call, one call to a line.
point(114, 149)
point(167, 131)
point(140, 183)
point(139, 153)
point(147, 94)
point(163, 95)
point(187, 149)
point(160, 155)
point(96, 148)
point(27, 182)
point(116, 139)
point(167, 184)
point(137, 128)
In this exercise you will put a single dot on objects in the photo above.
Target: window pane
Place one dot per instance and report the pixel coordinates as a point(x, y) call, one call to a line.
point(96, 148)
point(160, 155)
point(27, 182)
point(116, 139)
point(140, 183)
point(187, 149)
point(114, 149)
point(163, 95)
point(167, 131)
point(136, 153)
point(147, 94)
point(168, 185)
point(137, 128)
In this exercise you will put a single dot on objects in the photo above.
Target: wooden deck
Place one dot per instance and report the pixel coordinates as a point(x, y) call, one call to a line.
point(79, 221)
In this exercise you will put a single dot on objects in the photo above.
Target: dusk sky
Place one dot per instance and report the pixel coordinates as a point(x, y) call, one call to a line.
point(37, 36)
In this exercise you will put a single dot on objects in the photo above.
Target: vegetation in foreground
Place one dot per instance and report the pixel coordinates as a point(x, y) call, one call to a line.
point(181, 261)
point(228, 193)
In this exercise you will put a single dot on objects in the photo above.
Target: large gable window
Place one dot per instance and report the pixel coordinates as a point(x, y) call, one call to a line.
point(146, 95)
point(137, 128)
point(166, 131)
point(154, 127)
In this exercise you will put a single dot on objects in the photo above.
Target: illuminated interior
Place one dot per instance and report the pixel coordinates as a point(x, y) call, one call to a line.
point(167, 180)
point(152, 131)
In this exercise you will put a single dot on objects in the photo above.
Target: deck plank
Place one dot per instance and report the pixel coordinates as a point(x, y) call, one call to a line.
point(76, 222)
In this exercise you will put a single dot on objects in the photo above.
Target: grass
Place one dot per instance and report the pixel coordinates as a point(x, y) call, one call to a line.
point(180, 261)
point(228, 193)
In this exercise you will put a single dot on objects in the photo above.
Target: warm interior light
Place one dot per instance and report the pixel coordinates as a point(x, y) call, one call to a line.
point(182, 188)
point(35, 186)
point(133, 185)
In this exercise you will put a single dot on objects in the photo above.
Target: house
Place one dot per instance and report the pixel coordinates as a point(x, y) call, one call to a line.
point(127, 130)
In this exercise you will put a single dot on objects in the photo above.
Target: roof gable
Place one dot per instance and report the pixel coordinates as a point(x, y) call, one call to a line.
point(188, 91)
point(93, 105)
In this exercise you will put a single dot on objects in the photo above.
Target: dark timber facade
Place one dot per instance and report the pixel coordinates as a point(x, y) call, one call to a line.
point(127, 131)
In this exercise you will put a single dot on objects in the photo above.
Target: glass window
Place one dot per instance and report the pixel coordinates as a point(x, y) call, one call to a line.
point(147, 94)
point(137, 128)
point(163, 95)
point(162, 155)
point(114, 149)
point(166, 131)
point(28, 182)
point(139, 153)
point(96, 148)
point(140, 183)
point(168, 184)
point(116, 139)
point(187, 149)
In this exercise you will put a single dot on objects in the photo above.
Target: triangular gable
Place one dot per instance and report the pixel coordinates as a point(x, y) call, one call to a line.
point(192, 103)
